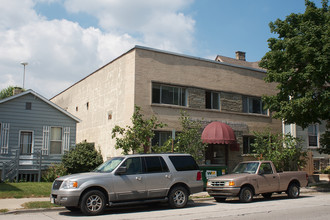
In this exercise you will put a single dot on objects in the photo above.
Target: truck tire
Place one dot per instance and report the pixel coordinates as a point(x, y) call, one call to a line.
point(293, 191)
point(246, 194)
point(178, 197)
point(267, 195)
point(93, 203)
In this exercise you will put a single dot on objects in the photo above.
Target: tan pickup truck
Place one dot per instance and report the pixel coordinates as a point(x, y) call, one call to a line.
point(253, 178)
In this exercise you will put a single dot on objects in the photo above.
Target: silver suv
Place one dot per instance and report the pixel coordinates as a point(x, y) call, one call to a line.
point(130, 179)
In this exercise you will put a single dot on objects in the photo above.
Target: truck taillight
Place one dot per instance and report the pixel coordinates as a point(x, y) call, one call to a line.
point(199, 176)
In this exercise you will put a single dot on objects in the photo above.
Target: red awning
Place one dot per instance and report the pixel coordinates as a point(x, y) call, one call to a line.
point(218, 133)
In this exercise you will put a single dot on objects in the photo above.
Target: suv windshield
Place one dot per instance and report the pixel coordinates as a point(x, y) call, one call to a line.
point(246, 167)
point(109, 165)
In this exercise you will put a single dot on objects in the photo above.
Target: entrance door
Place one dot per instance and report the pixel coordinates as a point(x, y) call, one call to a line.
point(217, 154)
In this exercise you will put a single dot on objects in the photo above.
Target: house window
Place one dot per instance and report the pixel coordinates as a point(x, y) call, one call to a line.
point(253, 105)
point(212, 100)
point(56, 140)
point(171, 95)
point(28, 106)
point(312, 135)
point(247, 144)
point(26, 142)
point(161, 137)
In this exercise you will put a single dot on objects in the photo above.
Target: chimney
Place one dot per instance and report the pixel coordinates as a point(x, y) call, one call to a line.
point(17, 90)
point(240, 55)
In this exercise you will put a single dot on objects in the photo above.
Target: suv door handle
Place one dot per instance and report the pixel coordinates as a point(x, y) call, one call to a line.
point(168, 176)
point(138, 178)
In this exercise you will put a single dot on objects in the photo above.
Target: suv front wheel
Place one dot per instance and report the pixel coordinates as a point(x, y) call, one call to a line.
point(178, 197)
point(93, 203)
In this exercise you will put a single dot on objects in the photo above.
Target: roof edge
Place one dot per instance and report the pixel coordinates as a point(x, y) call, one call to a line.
point(30, 91)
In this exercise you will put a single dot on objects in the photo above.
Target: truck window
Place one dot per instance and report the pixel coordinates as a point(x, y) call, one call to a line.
point(266, 168)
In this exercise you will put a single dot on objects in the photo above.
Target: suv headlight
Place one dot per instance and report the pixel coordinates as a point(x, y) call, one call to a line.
point(68, 184)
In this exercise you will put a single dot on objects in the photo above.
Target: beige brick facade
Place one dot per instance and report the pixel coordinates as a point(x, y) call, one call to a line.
point(127, 81)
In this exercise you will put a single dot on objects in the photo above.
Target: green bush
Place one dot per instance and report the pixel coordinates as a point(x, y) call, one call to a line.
point(82, 158)
point(54, 171)
point(326, 170)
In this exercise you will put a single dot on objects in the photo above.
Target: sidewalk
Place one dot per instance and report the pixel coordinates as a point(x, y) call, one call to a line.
point(15, 205)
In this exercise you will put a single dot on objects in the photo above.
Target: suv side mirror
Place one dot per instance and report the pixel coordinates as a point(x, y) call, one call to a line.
point(121, 170)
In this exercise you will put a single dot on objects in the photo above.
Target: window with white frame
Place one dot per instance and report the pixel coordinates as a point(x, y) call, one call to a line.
point(161, 137)
point(26, 141)
point(253, 105)
point(165, 94)
point(212, 100)
point(313, 135)
point(56, 140)
point(4, 138)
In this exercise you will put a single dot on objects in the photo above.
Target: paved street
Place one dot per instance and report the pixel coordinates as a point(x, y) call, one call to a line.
point(309, 206)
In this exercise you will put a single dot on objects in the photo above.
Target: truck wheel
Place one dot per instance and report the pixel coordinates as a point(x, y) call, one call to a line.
point(178, 197)
point(93, 203)
point(293, 191)
point(246, 194)
point(267, 195)
point(220, 199)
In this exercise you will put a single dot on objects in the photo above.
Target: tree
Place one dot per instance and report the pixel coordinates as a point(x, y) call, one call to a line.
point(136, 139)
point(285, 152)
point(299, 62)
point(188, 140)
point(82, 158)
point(7, 92)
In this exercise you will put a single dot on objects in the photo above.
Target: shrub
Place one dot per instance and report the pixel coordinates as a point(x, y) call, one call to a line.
point(82, 158)
point(54, 171)
point(326, 170)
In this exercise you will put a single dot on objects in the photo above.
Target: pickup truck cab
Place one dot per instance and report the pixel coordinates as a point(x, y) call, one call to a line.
point(130, 179)
point(253, 178)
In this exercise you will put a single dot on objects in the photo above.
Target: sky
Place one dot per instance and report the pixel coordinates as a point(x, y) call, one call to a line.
point(63, 41)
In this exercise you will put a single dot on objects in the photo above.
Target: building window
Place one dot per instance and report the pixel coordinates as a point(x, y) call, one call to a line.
point(26, 142)
point(312, 135)
point(212, 100)
point(161, 137)
point(247, 144)
point(171, 95)
point(28, 106)
point(56, 140)
point(253, 105)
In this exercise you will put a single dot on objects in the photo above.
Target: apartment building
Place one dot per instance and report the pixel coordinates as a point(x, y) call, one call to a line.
point(225, 90)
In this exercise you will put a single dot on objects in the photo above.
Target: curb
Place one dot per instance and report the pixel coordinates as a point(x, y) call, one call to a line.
point(205, 197)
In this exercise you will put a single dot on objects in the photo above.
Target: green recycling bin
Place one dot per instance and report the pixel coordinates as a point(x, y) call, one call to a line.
point(210, 171)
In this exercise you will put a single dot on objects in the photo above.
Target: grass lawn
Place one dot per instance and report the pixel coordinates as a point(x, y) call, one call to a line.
point(25, 190)
point(38, 205)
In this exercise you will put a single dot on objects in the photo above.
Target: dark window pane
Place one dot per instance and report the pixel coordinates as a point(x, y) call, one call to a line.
point(245, 104)
point(312, 140)
point(153, 164)
point(155, 93)
point(208, 100)
point(215, 101)
point(256, 106)
point(167, 95)
point(183, 163)
point(164, 165)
